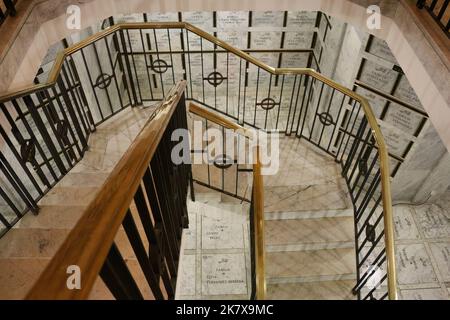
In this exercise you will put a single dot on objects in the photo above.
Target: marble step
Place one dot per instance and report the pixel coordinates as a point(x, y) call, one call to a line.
point(310, 265)
point(309, 198)
point(83, 179)
point(69, 196)
point(17, 276)
point(44, 242)
point(309, 234)
point(52, 217)
point(318, 290)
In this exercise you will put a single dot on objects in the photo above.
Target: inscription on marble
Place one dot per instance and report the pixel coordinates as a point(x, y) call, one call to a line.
point(298, 40)
point(406, 93)
point(441, 253)
point(232, 19)
point(414, 265)
point(201, 19)
point(301, 19)
point(395, 140)
point(381, 49)
point(265, 40)
point(402, 118)
point(267, 18)
point(221, 233)
point(404, 225)
point(223, 274)
point(378, 76)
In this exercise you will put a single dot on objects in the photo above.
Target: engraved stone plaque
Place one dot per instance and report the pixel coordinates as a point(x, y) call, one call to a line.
point(406, 93)
point(403, 118)
point(414, 265)
point(301, 19)
point(232, 20)
point(381, 49)
point(377, 76)
point(395, 140)
point(267, 18)
point(223, 274)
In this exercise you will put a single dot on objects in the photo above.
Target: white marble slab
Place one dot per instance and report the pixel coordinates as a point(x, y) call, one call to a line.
point(223, 274)
point(414, 265)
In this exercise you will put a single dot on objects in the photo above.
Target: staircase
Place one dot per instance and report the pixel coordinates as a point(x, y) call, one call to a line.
point(27, 248)
point(309, 233)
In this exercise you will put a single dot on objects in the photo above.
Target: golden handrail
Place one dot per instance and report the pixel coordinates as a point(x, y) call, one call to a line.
point(384, 160)
point(89, 242)
point(258, 196)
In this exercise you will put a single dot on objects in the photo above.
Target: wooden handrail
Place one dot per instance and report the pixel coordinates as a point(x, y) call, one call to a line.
point(89, 242)
point(214, 117)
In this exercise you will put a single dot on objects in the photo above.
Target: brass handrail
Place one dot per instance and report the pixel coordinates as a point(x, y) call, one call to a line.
point(258, 195)
point(384, 160)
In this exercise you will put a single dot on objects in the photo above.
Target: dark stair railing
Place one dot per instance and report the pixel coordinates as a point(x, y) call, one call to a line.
point(8, 9)
point(439, 11)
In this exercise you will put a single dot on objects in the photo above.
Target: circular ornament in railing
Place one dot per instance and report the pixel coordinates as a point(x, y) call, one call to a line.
point(103, 80)
point(326, 118)
point(362, 166)
point(223, 161)
point(62, 128)
point(370, 233)
point(159, 66)
point(215, 78)
point(267, 103)
point(28, 150)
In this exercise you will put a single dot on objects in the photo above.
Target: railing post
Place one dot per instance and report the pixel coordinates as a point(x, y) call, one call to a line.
point(10, 7)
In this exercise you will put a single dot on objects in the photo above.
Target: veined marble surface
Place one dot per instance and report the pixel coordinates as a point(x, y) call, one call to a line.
point(422, 251)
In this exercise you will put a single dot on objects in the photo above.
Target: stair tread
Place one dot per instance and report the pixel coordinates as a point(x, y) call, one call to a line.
point(83, 179)
point(311, 263)
point(17, 276)
point(320, 230)
point(70, 196)
point(317, 290)
point(305, 198)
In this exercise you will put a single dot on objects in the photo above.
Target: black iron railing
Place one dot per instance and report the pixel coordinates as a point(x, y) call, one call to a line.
point(439, 10)
point(7, 9)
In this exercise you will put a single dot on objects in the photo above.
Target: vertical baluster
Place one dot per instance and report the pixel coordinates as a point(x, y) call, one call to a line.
point(118, 277)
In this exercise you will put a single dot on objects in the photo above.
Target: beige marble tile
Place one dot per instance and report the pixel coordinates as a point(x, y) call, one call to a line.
point(70, 196)
point(52, 217)
point(424, 294)
point(17, 275)
point(223, 274)
point(319, 290)
point(304, 198)
point(29, 243)
point(432, 221)
point(414, 265)
point(310, 264)
point(308, 231)
point(404, 225)
point(441, 254)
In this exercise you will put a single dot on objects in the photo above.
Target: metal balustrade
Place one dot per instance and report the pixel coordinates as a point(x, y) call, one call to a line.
point(439, 11)
point(132, 63)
